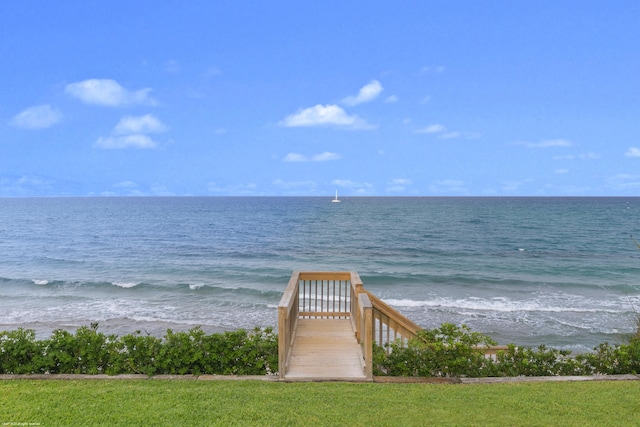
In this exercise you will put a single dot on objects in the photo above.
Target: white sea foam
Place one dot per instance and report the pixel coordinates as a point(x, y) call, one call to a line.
point(498, 305)
point(40, 282)
point(125, 284)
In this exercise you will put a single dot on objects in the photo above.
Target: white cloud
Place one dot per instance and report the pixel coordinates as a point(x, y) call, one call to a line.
point(584, 156)
point(448, 186)
point(326, 156)
point(561, 171)
point(401, 181)
point(633, 152)
point(295, 185)
point(295, 157)
point(443, 133)
point(26, 185)
point(358, 188)
point(126, 141)
point(624, 181)
point(450, 135)
point(325, 115)
point(38, 117)
point(322, 157)
point(512, 186)
point(233, 189)
point(547, 143)
point(126, 184)
point(437, 128)
point(109, 93)
point(131, 132)
point(141, 124)
point(391, 99)
point(367, 93)
point(398, 185)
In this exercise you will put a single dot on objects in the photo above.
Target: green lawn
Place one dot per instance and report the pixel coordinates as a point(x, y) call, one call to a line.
point(175, 403)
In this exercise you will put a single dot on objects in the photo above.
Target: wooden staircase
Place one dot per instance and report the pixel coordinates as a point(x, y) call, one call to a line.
point(327, 325)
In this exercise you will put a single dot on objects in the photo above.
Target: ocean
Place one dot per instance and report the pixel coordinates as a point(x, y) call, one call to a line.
point(563, 272)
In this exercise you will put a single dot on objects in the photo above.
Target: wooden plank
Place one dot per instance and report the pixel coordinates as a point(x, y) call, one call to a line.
point(325, 349)
point(324, 314)
point(325, 275)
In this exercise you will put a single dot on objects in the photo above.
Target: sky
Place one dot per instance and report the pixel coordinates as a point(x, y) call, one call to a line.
point(297, 98)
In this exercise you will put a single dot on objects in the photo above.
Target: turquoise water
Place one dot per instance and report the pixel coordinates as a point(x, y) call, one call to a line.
point(559, 271)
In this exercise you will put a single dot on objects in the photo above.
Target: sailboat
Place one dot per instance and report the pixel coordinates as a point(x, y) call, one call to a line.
point(336, 200)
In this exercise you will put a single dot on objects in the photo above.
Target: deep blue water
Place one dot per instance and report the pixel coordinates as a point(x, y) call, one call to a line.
point(559, 271)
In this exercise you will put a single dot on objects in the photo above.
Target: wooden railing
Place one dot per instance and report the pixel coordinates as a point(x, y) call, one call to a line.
point(342, 295)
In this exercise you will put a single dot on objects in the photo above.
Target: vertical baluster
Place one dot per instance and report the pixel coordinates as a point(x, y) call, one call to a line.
point(388, 332)
point(304, 291)
point(322, 295)
point(340, 295)
point(333, 299)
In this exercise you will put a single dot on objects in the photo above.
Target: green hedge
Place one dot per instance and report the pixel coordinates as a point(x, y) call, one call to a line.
point(452, 351)
point(447, 351)
point(91, 352)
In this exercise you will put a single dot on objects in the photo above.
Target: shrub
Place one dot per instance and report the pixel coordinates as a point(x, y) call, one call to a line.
point(456, 351)
point(20, 353)
point(91, 352)
point(525, 361)
point(448, 351)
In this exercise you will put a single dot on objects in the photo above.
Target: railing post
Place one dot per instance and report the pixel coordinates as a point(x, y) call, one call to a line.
point(357, 288)
point(287, 320)
point(365, 326)
point(282, 341)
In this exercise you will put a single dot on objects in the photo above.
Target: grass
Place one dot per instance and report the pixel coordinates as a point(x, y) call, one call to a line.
point(175, 403)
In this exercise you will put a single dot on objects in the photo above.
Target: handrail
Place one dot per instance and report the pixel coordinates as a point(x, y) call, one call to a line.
point(393, 320)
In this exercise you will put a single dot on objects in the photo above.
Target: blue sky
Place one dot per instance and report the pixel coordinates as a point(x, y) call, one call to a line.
point(379, 98)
